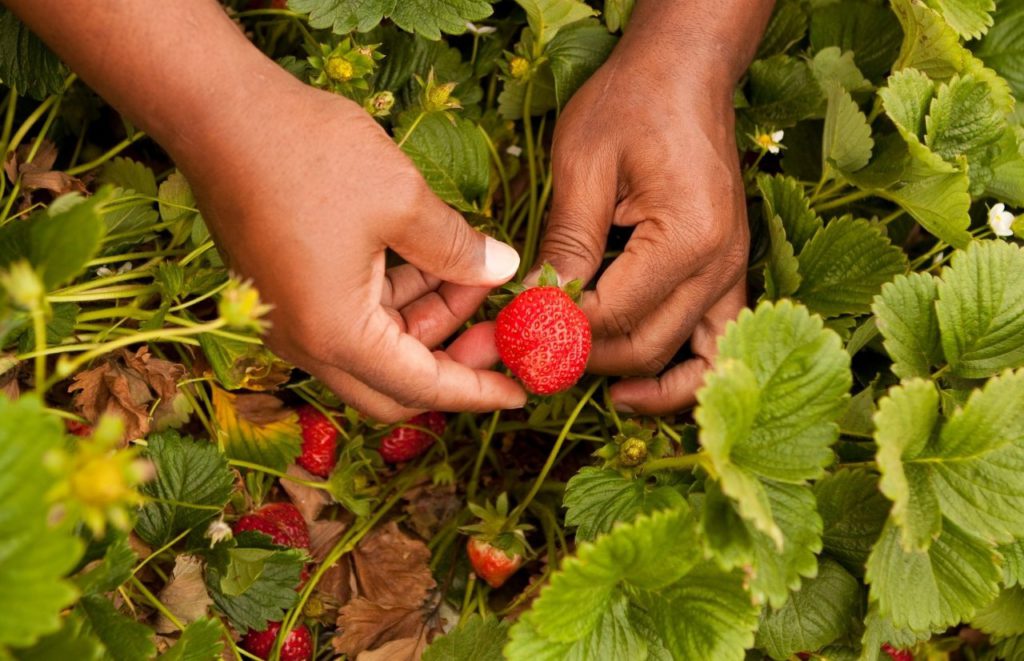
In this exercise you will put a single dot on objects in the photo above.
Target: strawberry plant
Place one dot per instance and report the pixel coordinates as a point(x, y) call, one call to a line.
point(848, 486)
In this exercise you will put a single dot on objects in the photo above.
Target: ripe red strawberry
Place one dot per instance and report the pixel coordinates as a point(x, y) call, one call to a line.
point(544, 338)
point(406, 443)
point(281, 521)
point(298, 646)
point(491, 563)
point(78, 428)
point(319, 441)
point(897, 655)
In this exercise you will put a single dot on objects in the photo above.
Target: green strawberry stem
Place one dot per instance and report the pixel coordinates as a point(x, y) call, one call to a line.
point(107, 155)
point(485, 444)
point(678, 463)
point(238, 463)
point(156, 603)
point(553, 455)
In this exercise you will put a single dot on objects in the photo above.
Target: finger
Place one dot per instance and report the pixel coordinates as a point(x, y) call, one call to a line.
point(440, 242)
point(647, 348)
point(582, 205)
point(676, 389)
point(436, 315)
point(401, 367)
point(475, 347)
point(406, 283)
point(361, 397)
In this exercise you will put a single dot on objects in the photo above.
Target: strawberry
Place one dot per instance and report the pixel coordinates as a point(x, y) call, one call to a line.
point(497, 544)
point(491, 563)
point(405, 443)
point(319, 441)
point(544, 338)
point(282, 522)
point(298, 646)
point(78, 428)
point(897, 655)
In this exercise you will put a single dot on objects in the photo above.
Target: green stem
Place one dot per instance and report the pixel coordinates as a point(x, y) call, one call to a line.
point(506, 187)
point(160, 550)
point(39, 330)
point(156, 603)
point(415, 123)
point(12, 106)
point(677, 463)
point(276, 473)
point(531, 163)
point(553, 454)
point(843, 201)
point(485, 443)
point(107, 155)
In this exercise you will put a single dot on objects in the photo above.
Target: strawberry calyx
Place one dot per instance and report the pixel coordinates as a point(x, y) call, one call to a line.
point(497, 529)
point(631, 448)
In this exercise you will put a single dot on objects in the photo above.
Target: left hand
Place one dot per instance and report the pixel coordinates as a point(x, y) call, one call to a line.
point(649, 145)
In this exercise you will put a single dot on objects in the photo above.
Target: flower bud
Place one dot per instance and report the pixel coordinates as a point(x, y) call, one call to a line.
point(518, 67)
point(340, 69)
point(380, 104)
point(633, 452)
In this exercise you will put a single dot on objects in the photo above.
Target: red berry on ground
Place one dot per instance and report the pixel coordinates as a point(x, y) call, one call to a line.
point(544, 338)
point(282, 522)
point(298, 646)
point(491, 563)
point(406, 443)
point(319, 441)
point(78, 428)
point(897, 655)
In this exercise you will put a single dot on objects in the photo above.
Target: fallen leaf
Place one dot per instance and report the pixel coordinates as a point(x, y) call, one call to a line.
point(323, 535)
point(259, 409)
point(336, 586)
point(9, 386)
point(429, 507)
point(185, 595)
point(392, 568)
point(126, 385)
point(309, 500)
point(403, 649)
point(38, 173)
point(365, 625)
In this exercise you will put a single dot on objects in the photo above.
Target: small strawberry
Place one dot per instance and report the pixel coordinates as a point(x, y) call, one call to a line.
point(897, 655)
point(497, 544)
point(282, 522)
point(544, 337)
point(77, 428)
point(319, 441)
point(298, 646)
point(405, 443)
point(491, 563)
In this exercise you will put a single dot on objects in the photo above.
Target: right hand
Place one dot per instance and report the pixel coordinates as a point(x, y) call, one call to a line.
point(305, 198)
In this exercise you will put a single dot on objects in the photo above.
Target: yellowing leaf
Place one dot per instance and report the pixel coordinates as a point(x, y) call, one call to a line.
point(256, 428)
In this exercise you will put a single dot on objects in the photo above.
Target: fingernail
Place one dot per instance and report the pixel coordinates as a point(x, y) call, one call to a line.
point(624, 408)
point(500, 259)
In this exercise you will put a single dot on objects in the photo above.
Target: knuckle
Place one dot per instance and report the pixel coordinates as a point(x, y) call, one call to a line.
point(573, 239)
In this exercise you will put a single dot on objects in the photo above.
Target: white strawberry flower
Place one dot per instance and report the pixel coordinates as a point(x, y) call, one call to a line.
point(1000, 220)
point(514, 150)
point(770, 142)
point(218, 531)
point(480, 30)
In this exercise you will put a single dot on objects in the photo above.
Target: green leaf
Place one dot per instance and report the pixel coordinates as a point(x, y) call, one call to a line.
point(1004, 616)
point(879, 630)
point(193, 482)
point(547, 17)
point(935, 588)
point(906, 316)
point(432, 17)
point(981, 309)
point(131, 175)
point(706, 615)
point(784, 197)
point(124, 638)
point(575, 54)
point(970, 18)
point(845, 265)
point(929, 43)
point(963, 118)
point(904, 424)
point(617, 13)
point(906, 97)
point(1002, 48)
point(35, 555)
point(200, 641)
point(1013, 563)
point(787, 26)
point(821, 612)
point(633, 554)
point(1007, 181)
point(116, 567)
point(868, 30)
point(596, 499)
point(451, 153)
point(475, 639)
point(25, 62)
point(343, 16)
point(238, 364)
point(783, 91)
point(831, 65)
point(254, 586)
point(176, 201)
point(62, 242)
point(611, 637)
point(847, 142)
point(75, 640)
point(781, 270)
point(853, 512)
point(768, 409)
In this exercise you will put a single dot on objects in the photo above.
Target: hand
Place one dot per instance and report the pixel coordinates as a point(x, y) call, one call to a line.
point(649, 145)
point(305, 201)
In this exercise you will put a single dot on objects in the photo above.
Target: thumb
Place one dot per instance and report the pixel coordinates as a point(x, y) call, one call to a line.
point(440, 242)
point(582, 206)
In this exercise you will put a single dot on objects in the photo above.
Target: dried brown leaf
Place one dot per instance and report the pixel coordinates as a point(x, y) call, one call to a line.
point(392, 568)
point(185, 595)
point(336, 586)
point(309, 501)
point(323, 535)
point(430, 506)
point(364, 625)
point(403, 649)
point(38, 174)
point(9, 386)
point(260, 409)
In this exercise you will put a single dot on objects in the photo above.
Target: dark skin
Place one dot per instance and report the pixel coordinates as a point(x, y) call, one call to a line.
point(289, 179)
